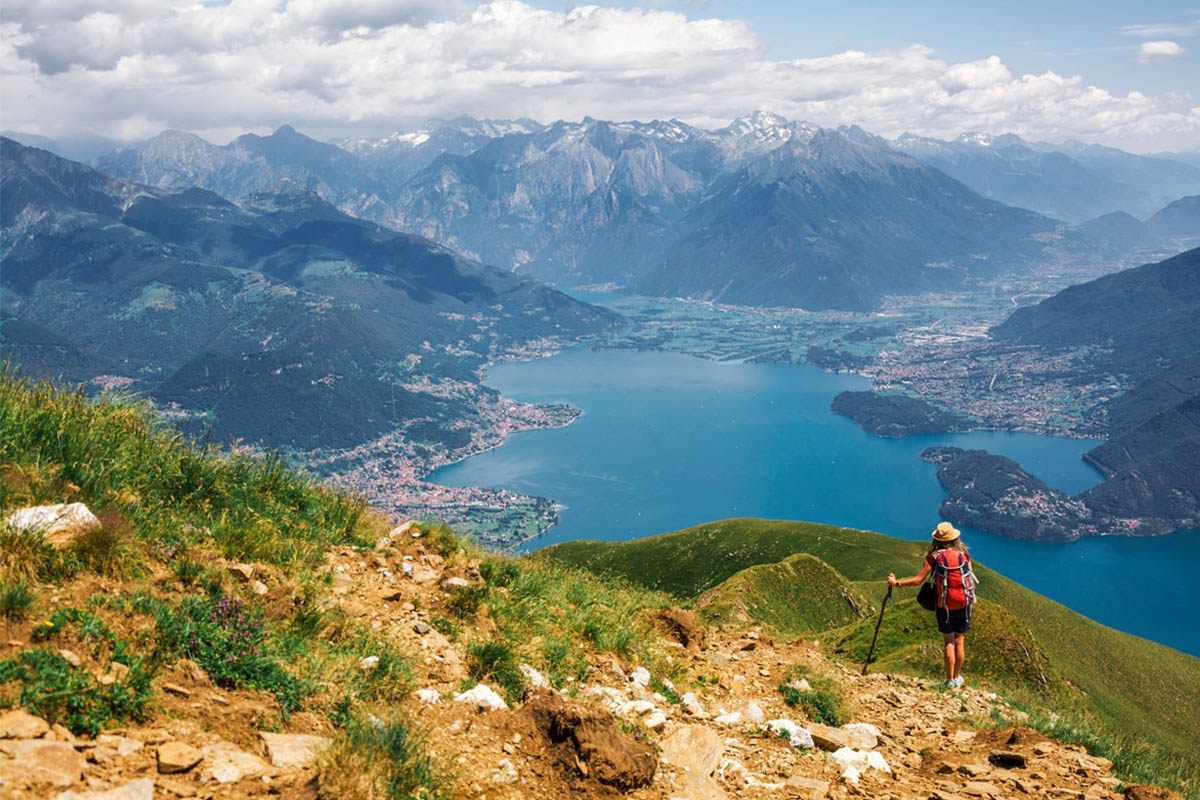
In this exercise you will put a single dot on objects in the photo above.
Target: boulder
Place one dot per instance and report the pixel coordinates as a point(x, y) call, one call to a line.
point(42, 762)
point(483, 698)
point(655, 721)
point(60, 524)
point(694, 786)
point(694, 748)
point(140, 789)
point(409, 527)
point(293, 750)
point(982, 789)
point(227, 763)
point(174, 757)
point(454, 583)
point(588, 741)
point(754, 713)
point(640, 677)
point(428, 697)
point(22, 725)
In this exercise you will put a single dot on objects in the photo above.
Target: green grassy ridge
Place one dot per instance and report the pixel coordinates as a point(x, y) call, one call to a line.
point(1135, 689)
point(801, 594)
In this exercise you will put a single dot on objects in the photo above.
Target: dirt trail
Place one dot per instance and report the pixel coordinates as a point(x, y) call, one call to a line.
point(732, 735)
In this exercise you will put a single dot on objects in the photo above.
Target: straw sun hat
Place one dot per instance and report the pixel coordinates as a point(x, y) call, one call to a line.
point(945, 532)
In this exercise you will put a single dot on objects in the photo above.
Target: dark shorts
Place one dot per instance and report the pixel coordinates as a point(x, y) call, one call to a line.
point(953, 620)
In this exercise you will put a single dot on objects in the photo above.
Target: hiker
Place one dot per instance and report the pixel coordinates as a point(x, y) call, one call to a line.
point(954, 582)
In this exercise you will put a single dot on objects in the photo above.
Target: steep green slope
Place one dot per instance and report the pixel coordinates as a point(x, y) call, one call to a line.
point(1134, 687)
point(801, 594)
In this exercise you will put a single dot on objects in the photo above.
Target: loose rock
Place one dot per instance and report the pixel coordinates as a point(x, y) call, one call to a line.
point(176, 757)
point(22, 725)
point(293, 750)
point(140, 789)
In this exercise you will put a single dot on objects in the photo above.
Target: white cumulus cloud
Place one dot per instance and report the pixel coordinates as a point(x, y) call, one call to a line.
point(1162, 50)
point(128, 69)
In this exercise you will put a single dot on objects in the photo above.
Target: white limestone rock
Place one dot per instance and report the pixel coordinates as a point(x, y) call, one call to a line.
point(533, 677)
point(800, 738)
point(483, 698)
point(60, 524)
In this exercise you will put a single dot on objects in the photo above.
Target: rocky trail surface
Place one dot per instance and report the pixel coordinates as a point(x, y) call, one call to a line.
point(620, 732)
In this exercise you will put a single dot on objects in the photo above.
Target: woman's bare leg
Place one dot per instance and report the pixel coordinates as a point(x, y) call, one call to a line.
point(950, 655)
point(960, 652)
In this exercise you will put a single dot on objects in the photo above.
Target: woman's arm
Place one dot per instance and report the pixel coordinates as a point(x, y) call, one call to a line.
point(913, 581)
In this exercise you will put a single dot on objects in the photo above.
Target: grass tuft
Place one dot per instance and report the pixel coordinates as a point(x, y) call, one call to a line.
point(380, 759)
point(496, 660)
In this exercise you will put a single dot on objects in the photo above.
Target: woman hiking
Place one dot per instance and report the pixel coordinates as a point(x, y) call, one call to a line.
point(950, 564)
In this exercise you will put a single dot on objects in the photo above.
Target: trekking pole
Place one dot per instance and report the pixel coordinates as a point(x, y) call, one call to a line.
point(871, 652)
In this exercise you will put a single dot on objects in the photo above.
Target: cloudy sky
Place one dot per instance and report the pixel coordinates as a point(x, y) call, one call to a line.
point(1119, 73)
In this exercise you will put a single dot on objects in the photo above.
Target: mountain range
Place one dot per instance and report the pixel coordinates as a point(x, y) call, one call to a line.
point(276, 318)
point(764, 211)
point(1074, 182)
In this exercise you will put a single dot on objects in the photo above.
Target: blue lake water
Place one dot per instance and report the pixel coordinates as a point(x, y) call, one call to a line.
point(668, 441)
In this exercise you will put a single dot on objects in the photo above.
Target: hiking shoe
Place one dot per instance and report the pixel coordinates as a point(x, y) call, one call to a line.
point(957, 682)
point(950, 684)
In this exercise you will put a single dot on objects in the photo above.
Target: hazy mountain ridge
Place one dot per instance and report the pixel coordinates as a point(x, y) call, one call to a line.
point(741, 214)
point(1073, 181)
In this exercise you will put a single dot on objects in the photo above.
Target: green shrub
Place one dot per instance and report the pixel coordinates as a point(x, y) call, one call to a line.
point(822, 703)
point(229, 641)
point(445, 540)
point(59, 693)
point(54, 689)
point(495, 659)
